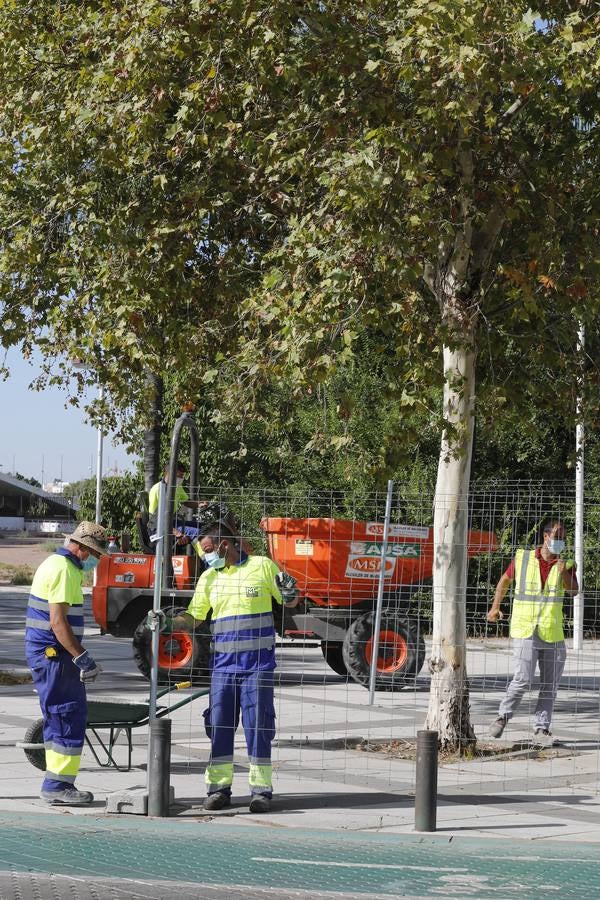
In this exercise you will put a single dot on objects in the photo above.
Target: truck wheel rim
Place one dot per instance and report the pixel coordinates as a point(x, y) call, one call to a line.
point(175, 650)
point(392, 652)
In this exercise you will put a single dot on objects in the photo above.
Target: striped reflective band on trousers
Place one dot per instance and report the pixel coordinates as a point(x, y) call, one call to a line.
point(63, 765)
point(234, 634)
point(38, 618)
point(219, 774)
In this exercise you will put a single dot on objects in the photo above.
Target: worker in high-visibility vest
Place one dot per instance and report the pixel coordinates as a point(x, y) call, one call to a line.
point(541, 580)
point(239, 590)
point(60, 665)
point(184, 533)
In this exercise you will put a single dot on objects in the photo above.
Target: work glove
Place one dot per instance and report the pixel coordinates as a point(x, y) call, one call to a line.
point(159, 620)
point(88, 667)
point(287, 587)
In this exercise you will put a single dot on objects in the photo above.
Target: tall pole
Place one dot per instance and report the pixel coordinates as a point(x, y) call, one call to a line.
point(579, 492)
point(157, 596)
point(99, 463)
point(380, 586)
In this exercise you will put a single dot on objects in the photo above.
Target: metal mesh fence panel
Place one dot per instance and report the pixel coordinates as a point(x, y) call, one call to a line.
point(330, 542)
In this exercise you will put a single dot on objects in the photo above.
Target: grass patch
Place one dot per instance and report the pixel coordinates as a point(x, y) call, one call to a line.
point(16, 575)
point(11, 678)
point(51, 546)
point(22, 575)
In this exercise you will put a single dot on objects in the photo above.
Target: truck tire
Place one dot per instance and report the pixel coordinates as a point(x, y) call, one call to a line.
point(401, 650)
point(182, 656)
point(334, 656)
point(35, 735)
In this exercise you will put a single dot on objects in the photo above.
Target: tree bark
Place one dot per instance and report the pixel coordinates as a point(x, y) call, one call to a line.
point(448, 711)
point(153, 433)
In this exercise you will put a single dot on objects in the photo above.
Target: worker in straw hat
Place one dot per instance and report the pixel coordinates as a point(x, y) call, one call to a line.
point(59, 664)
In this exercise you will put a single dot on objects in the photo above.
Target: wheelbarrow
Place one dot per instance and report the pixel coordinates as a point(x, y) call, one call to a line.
point(118, 717)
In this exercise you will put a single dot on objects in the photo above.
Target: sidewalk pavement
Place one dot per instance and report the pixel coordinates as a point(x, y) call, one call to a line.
point(330, 799)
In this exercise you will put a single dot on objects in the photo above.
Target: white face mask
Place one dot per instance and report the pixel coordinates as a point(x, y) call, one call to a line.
point(213, 560)
point(556, 546)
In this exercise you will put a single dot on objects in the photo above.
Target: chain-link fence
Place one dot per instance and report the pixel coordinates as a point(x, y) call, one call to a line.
point(331, 543)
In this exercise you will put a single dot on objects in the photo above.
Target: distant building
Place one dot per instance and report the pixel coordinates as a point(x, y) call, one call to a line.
point(56, 487)
point(24, 507)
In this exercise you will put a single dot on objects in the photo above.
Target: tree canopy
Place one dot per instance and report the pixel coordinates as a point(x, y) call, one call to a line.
point(261, 201)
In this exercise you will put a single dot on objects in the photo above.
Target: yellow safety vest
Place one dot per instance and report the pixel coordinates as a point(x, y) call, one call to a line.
point(535, 607)
point(180, 497)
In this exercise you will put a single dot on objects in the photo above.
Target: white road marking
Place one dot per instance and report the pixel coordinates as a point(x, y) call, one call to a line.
point(351, 865)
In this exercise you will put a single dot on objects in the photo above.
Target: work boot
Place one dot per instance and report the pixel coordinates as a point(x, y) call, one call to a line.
point(260, 804)
point(543, 737)
point(218, 800)
point(70, 796)
point(497, 727)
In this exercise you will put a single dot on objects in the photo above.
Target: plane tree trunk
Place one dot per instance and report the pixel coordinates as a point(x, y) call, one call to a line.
point(458, 279)
point(152, 434)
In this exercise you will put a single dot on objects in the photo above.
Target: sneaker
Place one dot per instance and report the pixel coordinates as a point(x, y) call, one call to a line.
point(218, 800)
point(497, 727)
point(260, 804)
point(543, 737)
point(68, 797)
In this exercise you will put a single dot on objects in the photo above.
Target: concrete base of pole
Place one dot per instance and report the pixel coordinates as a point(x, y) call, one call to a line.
point(132, 802)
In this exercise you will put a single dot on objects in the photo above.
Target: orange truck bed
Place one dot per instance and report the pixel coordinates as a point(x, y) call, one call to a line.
point(336, 562)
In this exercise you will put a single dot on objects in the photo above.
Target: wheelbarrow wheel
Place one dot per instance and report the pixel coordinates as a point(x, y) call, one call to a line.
point(400, 655)
point(35, 735)
point(182, 656)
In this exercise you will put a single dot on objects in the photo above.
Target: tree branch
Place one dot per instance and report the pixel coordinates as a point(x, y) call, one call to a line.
point(511, 113)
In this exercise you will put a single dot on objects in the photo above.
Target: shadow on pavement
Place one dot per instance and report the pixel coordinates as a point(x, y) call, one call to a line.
point(283, 803)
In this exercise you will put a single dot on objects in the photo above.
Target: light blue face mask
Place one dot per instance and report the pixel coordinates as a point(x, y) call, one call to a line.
point(556, 546)
point(90, 563)
point(214, 561)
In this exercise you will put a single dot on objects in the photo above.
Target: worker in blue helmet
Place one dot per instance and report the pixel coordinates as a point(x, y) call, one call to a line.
point(60, 665)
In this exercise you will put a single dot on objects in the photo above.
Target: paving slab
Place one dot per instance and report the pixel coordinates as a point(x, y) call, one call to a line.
point(323, 787)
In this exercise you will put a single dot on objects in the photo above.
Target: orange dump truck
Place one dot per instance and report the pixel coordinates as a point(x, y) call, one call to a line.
point(336, 564)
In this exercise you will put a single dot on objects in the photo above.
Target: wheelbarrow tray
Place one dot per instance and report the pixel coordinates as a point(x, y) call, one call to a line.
point(117, 712)
point(119, 717)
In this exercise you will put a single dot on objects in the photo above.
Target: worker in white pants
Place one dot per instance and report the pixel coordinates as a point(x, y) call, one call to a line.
point(528, 653)
point(536, 626)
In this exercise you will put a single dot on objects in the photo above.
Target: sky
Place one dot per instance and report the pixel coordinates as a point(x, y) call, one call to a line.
point(39, 433)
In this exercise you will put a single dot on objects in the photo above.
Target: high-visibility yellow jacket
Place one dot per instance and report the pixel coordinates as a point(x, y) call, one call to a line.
point(242, 624)
point(57, 580)
point(534, 606)
point(180, 497)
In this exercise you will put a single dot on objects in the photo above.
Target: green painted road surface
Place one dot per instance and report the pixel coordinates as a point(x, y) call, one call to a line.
point(294, 860)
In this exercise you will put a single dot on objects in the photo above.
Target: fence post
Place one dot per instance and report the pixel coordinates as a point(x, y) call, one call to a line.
point(578, 600)
point(426, 781)
point(159, 767)
point(380, 586)
point(159, 738)
point(156, 602)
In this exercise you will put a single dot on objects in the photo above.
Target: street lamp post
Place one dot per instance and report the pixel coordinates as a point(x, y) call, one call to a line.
point(99, 448)
point(78, 364)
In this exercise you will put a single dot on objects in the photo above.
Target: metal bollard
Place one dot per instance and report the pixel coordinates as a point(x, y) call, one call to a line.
point(426, 781)
point(159, 767)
